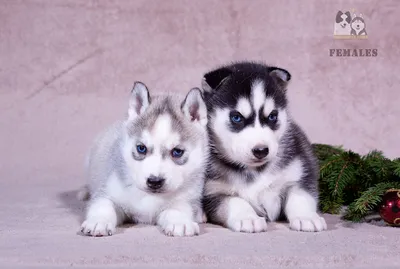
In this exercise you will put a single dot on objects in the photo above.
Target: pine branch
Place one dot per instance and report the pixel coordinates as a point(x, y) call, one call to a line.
point(329, 204)
point(347, 178)
point(396, 167)
point(368, 201)
point(339, 171)
point(377, 168)
point(324, 151)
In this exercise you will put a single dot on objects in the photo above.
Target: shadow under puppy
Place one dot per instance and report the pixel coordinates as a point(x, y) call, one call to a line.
point(262, 165)
point(149, 168)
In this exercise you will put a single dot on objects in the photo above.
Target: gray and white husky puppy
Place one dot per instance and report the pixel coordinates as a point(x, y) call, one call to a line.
point(149, 168)
point(262, 166)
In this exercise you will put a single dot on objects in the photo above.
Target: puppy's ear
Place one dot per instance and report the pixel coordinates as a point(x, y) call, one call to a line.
point(348, 19)
point(214, 79)
point(139, 100)
point(194, 107)
point(281, 76)
point(338, 16)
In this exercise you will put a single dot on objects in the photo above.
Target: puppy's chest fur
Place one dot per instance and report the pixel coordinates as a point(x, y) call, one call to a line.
point(137, 205)
point(265, 191)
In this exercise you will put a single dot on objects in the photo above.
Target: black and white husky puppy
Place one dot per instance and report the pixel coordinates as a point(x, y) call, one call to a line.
point(150, 166)
point(262, 165)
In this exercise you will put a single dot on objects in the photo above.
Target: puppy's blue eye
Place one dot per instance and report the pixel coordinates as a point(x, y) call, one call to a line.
point(236, 118)
point(273, 116)
point(141, 149)
point(177, 153)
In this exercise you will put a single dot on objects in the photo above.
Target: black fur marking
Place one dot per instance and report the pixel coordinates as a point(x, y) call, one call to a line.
point(348, 19)
point(237, 127)
point(261, 167)
point(246, 173)
point(226, 162)
point(242, 77)
point(339, 17)
point(265, 121)
point(297, 146)
point(215, 78)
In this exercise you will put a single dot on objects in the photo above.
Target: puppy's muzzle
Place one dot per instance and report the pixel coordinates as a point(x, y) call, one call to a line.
point(155, 183)
point(260, 152)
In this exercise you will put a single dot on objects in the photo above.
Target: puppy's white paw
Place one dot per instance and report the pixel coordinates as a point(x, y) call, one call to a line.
point(187, 228)
point(314, 223)
point(97, 228)
point(248, 225)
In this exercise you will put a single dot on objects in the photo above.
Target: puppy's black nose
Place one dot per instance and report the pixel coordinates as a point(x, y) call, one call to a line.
point(260, 152)
point(155, 183)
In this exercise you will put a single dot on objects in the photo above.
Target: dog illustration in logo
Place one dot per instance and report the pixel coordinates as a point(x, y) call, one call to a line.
point(358, 25)
point(342, 23)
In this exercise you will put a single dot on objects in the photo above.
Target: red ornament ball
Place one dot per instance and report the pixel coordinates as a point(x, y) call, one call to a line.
point(390, 207)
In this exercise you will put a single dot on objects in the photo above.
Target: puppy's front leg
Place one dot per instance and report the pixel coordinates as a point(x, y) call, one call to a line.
point(234, 213)
point(177, 220)
point(301, 211)
point(101, 218)
point(200, 216)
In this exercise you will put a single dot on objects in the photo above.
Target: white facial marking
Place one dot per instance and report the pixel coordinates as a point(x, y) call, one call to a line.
point(244, 107)
point(258, 99)
point(146, 138)
point(258, 94)
point(162, 129)
point(269, 105)
point(161, 135)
